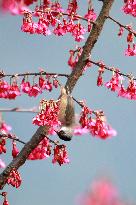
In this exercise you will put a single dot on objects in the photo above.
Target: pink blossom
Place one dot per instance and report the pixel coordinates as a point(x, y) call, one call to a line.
point(121, 30)
point(59, 30)
point(91, 15)
point(34, 91)
point(14, 178)
point(130, 7)
point(13, 91)
point(114, 83)
point(131, 51)
point(80, 131)
point(56, 6)
point(42, 151)
point(78, 32)
point(72, 7)
point(48, 114)
point(101, 129)
point(4, 86)
point(25, 86)
point(4, 128)
point(60, 155)
point(15, 151)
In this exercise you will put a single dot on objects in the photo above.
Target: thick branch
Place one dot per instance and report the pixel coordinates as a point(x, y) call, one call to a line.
point(71, 82)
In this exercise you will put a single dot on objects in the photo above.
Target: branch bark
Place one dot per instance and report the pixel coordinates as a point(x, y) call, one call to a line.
point(70, 84)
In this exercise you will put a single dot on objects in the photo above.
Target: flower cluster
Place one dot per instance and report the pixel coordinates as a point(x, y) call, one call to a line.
point(51, 20)
point(5, 202)
point(115, 84)
point(14, 178)
point(42, 151)
point(131, 48)
point(96, 126)
point(130, 7)
point(48, 114)
point(60, 155)
point(13, 89)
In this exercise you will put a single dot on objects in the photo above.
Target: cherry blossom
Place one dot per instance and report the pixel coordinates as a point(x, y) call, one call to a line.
point(25, 86)
point(42, 151)
point(4, 87)
point(131, 51)
point(15, 151)
point(60, 155)
point(4, 128)
point(114, 83)
point(5, 202)
point(13, 91)
point(121, 31)
point(96, 126)
point(130, 7)
point(14, 178)
point(48, 114)
point(72, 7)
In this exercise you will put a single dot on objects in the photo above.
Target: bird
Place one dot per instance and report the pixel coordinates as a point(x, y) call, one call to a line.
point(66, 115)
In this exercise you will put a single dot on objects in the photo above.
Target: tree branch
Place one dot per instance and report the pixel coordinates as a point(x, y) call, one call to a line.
point(92, 39)
point(2, 74)
point(71, 82)
point(112, 69)
point(121, 25)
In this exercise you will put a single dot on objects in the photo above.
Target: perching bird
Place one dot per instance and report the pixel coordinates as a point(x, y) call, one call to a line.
point(66, 116)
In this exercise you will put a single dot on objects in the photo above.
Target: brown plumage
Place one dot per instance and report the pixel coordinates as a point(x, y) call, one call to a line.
point(66, 116)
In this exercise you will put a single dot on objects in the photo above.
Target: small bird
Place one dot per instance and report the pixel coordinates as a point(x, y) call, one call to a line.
point(66, 116)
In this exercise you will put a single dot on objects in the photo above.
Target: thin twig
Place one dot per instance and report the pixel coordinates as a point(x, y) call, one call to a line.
point(112, 69)
point(2, 74)
point(9, 136)
point(64, 14)
point(121, 25)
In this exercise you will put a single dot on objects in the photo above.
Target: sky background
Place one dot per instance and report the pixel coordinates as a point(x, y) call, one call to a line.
point(43, 182)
